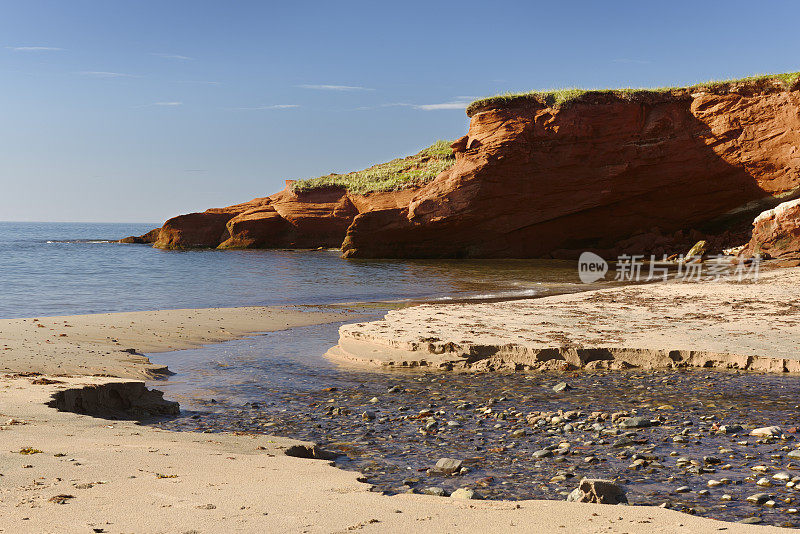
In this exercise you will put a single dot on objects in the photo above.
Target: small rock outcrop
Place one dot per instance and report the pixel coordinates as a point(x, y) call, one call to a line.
point(599, 491)
point(776, 233)
point(115, 400)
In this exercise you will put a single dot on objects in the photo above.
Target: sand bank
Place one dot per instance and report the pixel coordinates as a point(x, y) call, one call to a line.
point(724, 324)
point(115, 344)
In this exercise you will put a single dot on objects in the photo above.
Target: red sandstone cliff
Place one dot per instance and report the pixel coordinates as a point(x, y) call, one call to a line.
point(533, 181)
point(606, 172)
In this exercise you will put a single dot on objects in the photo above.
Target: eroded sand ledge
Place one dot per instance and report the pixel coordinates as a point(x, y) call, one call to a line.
point(720, 324)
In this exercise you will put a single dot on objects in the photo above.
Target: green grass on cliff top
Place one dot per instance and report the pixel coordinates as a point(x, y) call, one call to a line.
point(558, 97)
point(397, 174)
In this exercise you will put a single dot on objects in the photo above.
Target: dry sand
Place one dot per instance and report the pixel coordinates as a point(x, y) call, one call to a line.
point(97, 475)
point(725, 324)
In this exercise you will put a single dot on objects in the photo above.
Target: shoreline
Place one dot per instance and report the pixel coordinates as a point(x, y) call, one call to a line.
point(115, 344)
point(724, 324)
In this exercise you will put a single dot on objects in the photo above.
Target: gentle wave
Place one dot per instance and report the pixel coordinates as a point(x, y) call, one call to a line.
point(80, 241)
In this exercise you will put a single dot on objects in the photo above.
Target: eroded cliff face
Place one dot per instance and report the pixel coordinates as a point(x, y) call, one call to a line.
point(642, 174)
point(534, 181)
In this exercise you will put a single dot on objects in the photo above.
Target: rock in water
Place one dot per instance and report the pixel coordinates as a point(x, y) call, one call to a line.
point(766, 432)
point(597, 490)
point(448, 466)
point(561, 386)
point(636, 422)
point(794, 455)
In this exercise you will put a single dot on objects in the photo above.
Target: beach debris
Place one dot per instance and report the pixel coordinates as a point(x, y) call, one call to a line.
point(598, 490)
point(29, 450)
point(161, 475)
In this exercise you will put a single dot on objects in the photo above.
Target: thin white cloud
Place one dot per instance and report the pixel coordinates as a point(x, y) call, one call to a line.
point(199, 82)
point(34, 48)
point(172, 56)
point(106, 74)
point(631, 61)
point(273, 106)
point(165, 104)
point(327, 87)
point(456, 104)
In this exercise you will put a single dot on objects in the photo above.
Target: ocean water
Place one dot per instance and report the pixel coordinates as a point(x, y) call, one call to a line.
point(74, 268)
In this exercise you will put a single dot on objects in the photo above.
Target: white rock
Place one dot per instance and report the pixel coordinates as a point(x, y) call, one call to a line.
point(766, 432)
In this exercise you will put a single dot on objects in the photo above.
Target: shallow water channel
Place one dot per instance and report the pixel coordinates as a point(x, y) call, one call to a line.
point(518, 438)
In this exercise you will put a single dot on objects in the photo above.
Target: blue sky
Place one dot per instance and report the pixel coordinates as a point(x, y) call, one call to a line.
point(139, 110)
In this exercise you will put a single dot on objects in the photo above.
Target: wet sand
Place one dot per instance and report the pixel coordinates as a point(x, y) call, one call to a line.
point(116, 344)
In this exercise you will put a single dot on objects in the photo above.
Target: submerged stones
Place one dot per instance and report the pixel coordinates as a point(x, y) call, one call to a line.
point(517, 439)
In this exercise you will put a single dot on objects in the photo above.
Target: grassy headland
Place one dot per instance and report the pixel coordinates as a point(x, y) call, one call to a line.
point(559, 97)
point(390, 176)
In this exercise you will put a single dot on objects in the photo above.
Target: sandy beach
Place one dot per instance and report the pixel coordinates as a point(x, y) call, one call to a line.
point(712, 324)
point(66, 472)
